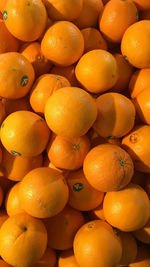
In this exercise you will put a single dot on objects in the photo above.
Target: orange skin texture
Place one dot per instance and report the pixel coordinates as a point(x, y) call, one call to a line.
point(116, 12)
point(30, 134)
point(143, 257)
point(97, 213)
point(135, 44)
point(145, 14)
point(43, 192)
point(62, 228)
point(26, 19)
point(5, 184)
point(23, 240)
point(15, 168)
point(84, 198)
point(89, 14)
point(12, 201)
point(12, 105)
point(33, 53)
point(129, 251)
point(67, 153)
point(142, 4)
point(93, 39)
point(97, 71)
point(112, 107)
point(48, 259)
point(67, 72)
point(68, 259)
point(70, 106)
point(3, 217)
point(16, 67)
point(142, 103)
point(108, 168)
point(128, 209)
point(63, 43)
point(43, 88)
point(2, 4)
point(137, 144)
point(147, 186)
point(140, 81)
point(64, 10)
point(96, 244)
point(8, 43)
point(143, 234)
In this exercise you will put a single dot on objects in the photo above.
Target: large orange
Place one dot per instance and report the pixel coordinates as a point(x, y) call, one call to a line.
point(140, 80)
point(68, 259)
point(62, 228)
point(97, 244)
point(3, 217)
point(43, 88)
point(48, 259)
point(23, 240)
point(116, 18)
point(108, 167)
point(128, 209)
point(82, 196)
point(143, 234)
point(68, 72)
point(63, 43)
point(142, 105)
point(70, 112)
point(142, 4)
point(143, 257)
point(135, 44)
point(43, 192)
point(97, 71)
point(12, 201)
point(24, 133)
point(25, 19)
point(129, 249)
point(20, 73)
point(116, 115)
point(12, 105)
point(137, 144)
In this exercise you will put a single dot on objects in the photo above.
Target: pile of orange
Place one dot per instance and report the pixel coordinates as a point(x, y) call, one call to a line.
point(75, 133)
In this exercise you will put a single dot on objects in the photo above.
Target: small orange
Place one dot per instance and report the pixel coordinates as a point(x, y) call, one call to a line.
point(3, 217)
point(140, 80)
point(24, 133)
point(23, 240)
point(43, 192)
point(97, 213)
point(143, 257)
point(93, 39)
point(97, 244)
point(63, 43)
point(128, 209)
point(20, 73)
point(143, 234)
point(48, 259)
point(82, 196)
point(129, 249)
point(62, 228)
point(67, 72)
point(12, 105)
point(4, 264)
point(97, 71)
point(142, 105)
point(12, 201)
point(142, 4)
point(43, 88)
point(68, 259)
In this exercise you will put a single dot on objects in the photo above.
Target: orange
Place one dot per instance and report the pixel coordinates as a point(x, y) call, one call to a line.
point(142, 103)
point(33, 53)
point(68, 259)
point(47, 163)
point(140, 80)
point(12, 105)
point(25, 19)
point(89, 14)
point(128, 209)
point(147, 186)
point(97, 213)
point(64, 10)
point(82, 196)
point(143, 234)
point(12, 201)
point(129, 249)
point(116, 18)
point(70, 112)
point(135, 44)
point(67, 72)
point(2, 4)
point(3, 217)
point(67, 153)
point(63, 43)
point(142, 4)
point(23, 240)
point(5, 184)
point(8, 43)
point(137, 144)
point(43, 88)
point(97, 244)
point(143, 257)
point(24, 133)
point(145, 14)
point(97, 71)
point(93, 39)
point(43, 192)
point(20, 73)
point(4, 264)
point(62, 228)
point(116, 115)
point(48, 259)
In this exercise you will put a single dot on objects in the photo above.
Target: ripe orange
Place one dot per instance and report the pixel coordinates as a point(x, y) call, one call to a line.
point(70, 112)
point(3, 217)
point(142, 4)
point(63, 43)
point(97, 71)
point(143, 257)
point(43, 88)
point(48, 259)
point(82, 196)
point(142, 103)
point(20, 73)
point(68, 259)
point(12, 201)
point(23, 240)
point(129, 249)
point(62, 228)
point(140, 80)
point(24, 133)
point(67, 72)
point(4, 264)
point(43, 192)
point(143, 234)
point(128, 209)
point(12, 105)
point(97, 244)
point(2, 4)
